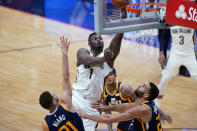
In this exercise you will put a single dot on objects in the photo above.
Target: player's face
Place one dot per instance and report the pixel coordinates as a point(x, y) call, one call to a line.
point(142, 89)
point(55, 98)
point(96, 43)
point(110, 79)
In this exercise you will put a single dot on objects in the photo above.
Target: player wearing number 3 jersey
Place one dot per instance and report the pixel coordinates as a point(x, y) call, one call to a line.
point(182, 53)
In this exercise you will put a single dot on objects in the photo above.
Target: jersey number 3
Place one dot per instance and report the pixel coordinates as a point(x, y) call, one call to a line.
point(181, 40)
point(66, 127)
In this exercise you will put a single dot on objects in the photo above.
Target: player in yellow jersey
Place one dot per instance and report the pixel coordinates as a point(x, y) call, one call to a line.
point(116, 92)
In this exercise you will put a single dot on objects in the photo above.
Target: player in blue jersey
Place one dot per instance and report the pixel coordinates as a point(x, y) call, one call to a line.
point(116, 92)
point(144, 112)
point(62, 114)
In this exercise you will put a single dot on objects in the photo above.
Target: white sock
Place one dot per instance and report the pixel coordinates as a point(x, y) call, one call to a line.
point(162, 83)
point(157, 102)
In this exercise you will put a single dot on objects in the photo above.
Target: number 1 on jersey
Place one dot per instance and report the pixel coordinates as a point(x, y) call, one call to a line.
point(91, 71)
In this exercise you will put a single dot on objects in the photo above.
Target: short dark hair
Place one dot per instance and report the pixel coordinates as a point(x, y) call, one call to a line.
point(46, 100)
point(113, 71)
point(153, 92)
point(94, 33)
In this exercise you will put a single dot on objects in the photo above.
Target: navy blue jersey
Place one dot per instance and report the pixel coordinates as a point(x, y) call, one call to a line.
point(116, 98)
point(63, 120)
point(154, 124)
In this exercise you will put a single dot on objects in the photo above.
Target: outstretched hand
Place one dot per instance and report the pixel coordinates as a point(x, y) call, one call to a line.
point(64, 45)
point(98, 106)
point(167, 118)
point(108, 54)
point(82, 113)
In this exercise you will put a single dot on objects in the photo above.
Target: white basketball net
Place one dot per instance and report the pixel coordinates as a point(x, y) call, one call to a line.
point(146, 37)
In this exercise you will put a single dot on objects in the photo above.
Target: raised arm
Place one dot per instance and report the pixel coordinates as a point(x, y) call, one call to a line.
point(115, 47)
point(116, 42)
point(118, 108)
point(66, 97)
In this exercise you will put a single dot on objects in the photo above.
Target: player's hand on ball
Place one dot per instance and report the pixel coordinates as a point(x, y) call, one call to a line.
point(120, 3)
point(108, 54)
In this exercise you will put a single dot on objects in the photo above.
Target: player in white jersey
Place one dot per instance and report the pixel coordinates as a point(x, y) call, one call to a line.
point(93, 67)
point(182, 53)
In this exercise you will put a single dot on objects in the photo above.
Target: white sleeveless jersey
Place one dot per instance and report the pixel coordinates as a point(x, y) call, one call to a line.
point(90, 80)
point(182, 39)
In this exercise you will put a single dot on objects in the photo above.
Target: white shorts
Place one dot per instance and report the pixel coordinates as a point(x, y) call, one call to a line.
point(80, 102)
point(175, 61)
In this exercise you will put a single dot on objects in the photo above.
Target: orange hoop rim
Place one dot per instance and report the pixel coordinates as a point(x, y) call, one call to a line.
point(146, 10)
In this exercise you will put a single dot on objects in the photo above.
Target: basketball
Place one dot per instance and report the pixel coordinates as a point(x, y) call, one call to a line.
point(120, 3)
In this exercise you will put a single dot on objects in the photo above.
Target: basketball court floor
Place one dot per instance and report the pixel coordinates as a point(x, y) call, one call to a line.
point(30, 62)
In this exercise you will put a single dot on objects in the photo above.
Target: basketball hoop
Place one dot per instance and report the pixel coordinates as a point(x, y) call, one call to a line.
point(134, 10)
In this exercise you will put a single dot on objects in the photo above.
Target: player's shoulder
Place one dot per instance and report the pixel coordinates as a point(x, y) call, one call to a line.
point(82, 54)
point(148, 105)
point(82, 50)
point(64, 106)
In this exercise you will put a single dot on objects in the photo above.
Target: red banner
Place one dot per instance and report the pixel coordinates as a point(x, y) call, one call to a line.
point(181, 12)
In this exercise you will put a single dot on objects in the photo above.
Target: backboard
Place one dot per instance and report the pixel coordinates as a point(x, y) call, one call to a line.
point(108, 20)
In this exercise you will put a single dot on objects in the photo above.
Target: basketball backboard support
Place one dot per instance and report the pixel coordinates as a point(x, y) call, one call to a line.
point(105, 24)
